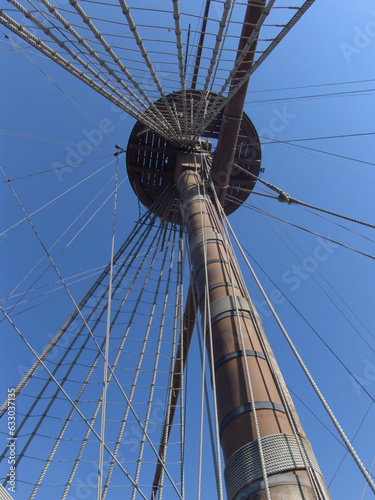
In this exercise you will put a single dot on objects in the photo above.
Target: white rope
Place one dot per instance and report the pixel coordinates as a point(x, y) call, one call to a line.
point(70, 367)
point(180, 293)
point(202, 353)
point(218, 102)
point(305, 370)
point(244, 356)
point(90, 332)
point(270, 362)
point(134, 251)
point(157, 355)
point(202, 398)
point(67, 324)
point(112, 94)
point(68, 398)
point(215, 52)
point(103, 131)
point(159, 122)
point(207, 318)
point(138, 39)
point(176, 15)
point(169, 400)
point(53, 200)
point(257, 63)
point(22, 295)
point(105, 368)
point(212, 363)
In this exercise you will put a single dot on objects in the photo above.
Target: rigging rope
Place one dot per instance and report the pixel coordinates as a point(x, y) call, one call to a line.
point(105, 369)
point(285, 397)
point(67, 397)
point(286, 198)
point(247, 370)
point(207, 318)
point(93, 338)
point(233, 199)
point(305, 370)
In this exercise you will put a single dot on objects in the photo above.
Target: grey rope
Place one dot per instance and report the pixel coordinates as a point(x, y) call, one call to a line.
point(90, 332)
point(229, 253)
point(286, 198)
point(157, 356)
point(306, 371)
point(106, 353)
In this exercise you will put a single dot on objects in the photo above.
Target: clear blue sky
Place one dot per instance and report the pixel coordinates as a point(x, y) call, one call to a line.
point(333, 44)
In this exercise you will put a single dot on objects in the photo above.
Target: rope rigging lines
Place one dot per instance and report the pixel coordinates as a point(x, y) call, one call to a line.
point(111, 402)
point(99, 47)
point(138, 351)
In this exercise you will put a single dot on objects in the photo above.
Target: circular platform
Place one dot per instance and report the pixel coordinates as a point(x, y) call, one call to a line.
point(151, 159)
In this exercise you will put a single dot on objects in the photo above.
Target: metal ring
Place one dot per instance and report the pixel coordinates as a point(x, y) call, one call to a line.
point(247, 408)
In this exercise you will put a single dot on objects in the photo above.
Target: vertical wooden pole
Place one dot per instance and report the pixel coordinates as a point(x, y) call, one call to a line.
point(237, 339)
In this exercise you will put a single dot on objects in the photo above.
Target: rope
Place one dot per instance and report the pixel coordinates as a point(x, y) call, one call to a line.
point(159, 122)
point(54, 199)
point(285, 397)
point(219, 103)
point(88, 296)
point(307, 373)
point(68, 398)
point(286, 198)
point(208, 408)
point(105, 369)
point(113, 95)
point(208, 309)
point(151, 317)
point(176, 16)
point(30, 289)
point(319, 285)
point(138, 39)
point(215, 51)
point(133, 252)
point(168, 409)
point(316, 333)
point(243, 347)
point(257, 63)
point(180, 293)
point(72, 317)
point(346, 451)
point(90, 332)
point(276, 141)
point(67, 95)
point(304, 229)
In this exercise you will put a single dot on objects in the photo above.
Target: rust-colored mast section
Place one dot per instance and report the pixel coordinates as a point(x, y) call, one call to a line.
point(233, 110)
point(290, 467)
point(200, 45)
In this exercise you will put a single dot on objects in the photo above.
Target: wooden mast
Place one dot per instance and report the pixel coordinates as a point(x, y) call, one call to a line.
point(273, 434)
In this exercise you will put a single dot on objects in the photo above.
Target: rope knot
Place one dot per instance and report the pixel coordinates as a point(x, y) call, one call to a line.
point(284, 198)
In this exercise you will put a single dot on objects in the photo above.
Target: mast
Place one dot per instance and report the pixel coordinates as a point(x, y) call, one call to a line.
point(265, 451)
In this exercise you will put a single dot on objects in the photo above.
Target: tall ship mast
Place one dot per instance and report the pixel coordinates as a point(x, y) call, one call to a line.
point(160, 380)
